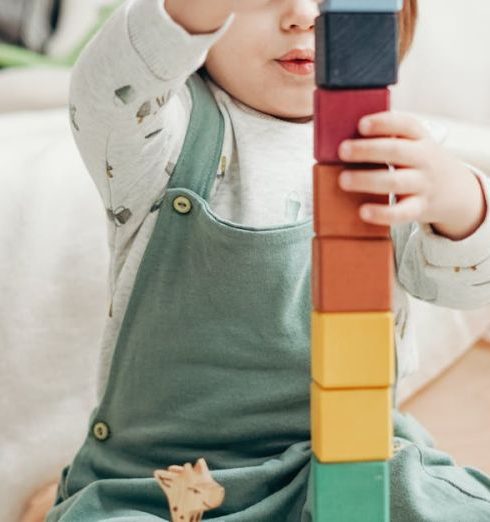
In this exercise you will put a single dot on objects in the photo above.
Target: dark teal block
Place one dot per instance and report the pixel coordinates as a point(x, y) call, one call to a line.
point(356, 6)
point(356, 50)
point(351, 491)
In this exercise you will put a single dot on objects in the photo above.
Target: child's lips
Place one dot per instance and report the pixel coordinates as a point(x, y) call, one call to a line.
point(298, 54)
point(298, 66)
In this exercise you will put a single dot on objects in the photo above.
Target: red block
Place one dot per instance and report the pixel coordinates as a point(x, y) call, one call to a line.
point(336, 212)
point(337, 114)
point(352, 275)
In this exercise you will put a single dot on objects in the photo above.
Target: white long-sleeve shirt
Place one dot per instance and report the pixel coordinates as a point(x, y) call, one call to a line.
point(130, 109)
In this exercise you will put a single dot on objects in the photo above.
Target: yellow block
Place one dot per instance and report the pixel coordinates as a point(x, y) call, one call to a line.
point(352, 350)
point(351, 425)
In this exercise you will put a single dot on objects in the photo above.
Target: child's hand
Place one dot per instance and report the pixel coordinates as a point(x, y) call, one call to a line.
point(40, 503)
point(437, 188)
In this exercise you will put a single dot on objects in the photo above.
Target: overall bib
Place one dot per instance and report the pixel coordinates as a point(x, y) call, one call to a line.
point(213, 361)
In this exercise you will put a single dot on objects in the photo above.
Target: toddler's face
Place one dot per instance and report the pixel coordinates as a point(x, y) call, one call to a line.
point(244, 62)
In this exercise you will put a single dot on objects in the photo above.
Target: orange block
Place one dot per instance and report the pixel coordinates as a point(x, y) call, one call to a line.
point(336, 212)
point(352, 275)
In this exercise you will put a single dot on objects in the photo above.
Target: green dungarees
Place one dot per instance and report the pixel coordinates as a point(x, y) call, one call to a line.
point(212, 361)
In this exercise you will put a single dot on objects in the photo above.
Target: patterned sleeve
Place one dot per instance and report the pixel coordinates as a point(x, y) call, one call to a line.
point(129, 106)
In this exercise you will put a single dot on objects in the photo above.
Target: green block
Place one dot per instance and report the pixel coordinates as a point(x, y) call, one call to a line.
point(351, 491)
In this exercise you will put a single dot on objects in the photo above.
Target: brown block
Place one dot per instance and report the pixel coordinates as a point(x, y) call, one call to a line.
point(352, 275)
point(336, 212)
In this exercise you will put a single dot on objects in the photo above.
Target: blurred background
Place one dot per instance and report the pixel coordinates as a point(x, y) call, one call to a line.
point(54, 257)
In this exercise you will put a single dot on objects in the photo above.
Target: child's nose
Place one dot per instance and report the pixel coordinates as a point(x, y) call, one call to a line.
point(300, 15)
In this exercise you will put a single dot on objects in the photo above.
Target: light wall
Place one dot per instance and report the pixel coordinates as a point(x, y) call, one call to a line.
point(448, 70)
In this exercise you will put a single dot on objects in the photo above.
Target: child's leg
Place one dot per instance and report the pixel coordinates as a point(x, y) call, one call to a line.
point(427, 486)
point(40, 503)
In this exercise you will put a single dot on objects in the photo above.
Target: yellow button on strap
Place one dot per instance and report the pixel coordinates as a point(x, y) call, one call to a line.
point(182, 205)
point(101, 430)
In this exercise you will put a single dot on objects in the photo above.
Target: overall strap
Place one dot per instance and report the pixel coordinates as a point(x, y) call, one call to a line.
point(197, 164)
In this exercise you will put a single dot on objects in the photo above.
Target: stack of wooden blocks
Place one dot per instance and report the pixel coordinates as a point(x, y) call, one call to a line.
point(352, 327)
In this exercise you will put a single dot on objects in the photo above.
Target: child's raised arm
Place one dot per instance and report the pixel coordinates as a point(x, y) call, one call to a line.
point(130, 109)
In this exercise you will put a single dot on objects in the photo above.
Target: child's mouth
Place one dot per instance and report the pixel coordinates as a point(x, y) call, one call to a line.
point(298, 66)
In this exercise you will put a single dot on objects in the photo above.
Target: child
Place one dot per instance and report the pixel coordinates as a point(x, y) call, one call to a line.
point(206, 178)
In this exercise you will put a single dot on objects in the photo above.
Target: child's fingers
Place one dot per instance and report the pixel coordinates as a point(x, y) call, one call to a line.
point(392, 123)
point(400, 152)
point(402, 181)
point(407, 210)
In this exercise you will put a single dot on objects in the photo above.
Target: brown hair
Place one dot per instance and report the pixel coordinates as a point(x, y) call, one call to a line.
point(407, 23)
